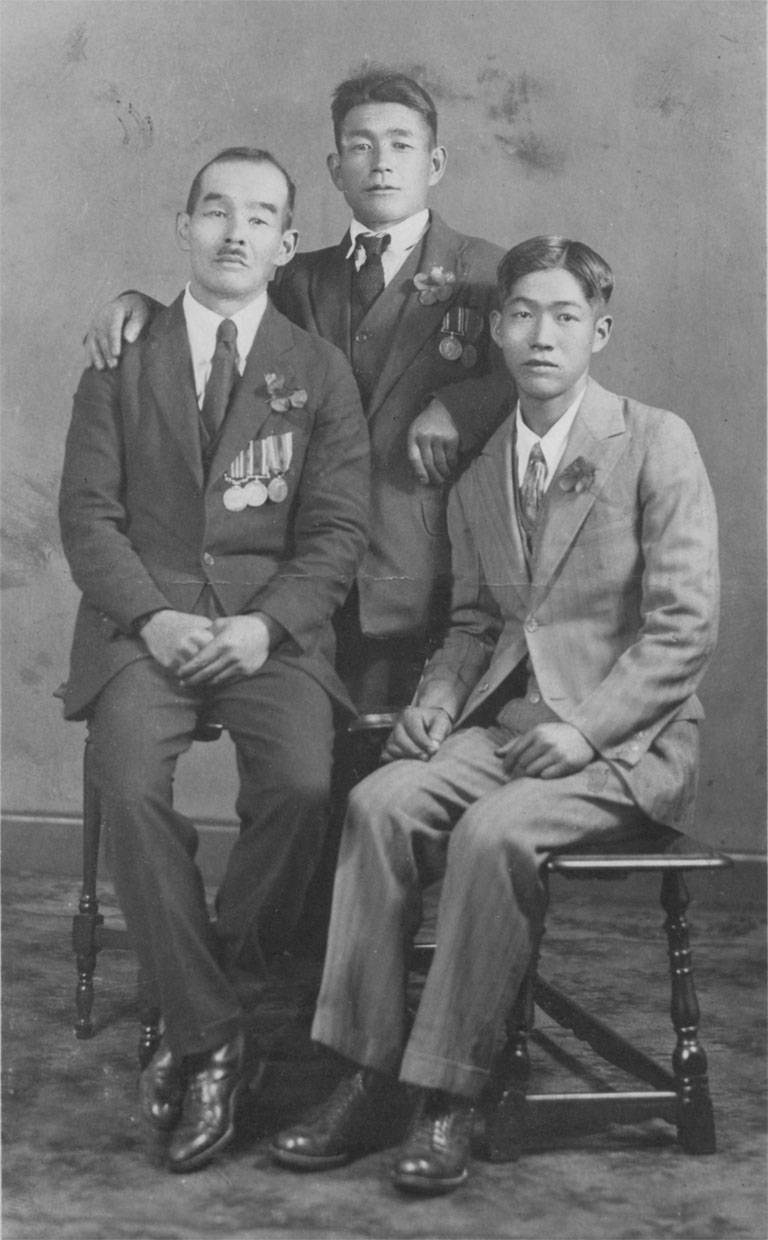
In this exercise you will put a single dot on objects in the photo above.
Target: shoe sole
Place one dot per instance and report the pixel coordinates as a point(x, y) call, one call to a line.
point(428, 1188)
point(309, 1162)
point(205, 1156)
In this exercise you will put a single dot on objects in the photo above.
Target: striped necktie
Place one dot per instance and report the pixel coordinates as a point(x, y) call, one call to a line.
point(532, 489)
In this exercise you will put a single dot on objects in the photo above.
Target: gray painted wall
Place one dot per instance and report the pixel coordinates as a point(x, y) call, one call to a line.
point(635, 126)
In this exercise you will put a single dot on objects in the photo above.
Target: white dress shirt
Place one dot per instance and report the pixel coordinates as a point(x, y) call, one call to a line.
point(202, 325)
point(552, 444)
point(403, 237)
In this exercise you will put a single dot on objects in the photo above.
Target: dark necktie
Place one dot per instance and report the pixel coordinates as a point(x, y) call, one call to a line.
point(532, 489)
point(369, 280)
point(221, 380)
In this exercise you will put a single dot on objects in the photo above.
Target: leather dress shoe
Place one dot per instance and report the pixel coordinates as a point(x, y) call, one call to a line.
point(363, 1114)
point(161, 1089)
point(434, 1155)
point(207, 1124)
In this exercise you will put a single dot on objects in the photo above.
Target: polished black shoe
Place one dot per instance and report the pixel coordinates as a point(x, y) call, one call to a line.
point(365, 1112)
point(207, 1124)
point(434, 1155)
point(161, 1089)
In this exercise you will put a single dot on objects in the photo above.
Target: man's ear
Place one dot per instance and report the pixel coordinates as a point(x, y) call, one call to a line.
point(288, 244)
point(438, 160)
point(495, 320)
point(603, 329)
point(333, 164)
point(182, 230)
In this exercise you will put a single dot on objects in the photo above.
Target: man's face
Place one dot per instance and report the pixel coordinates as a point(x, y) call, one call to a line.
point(548, 332)
point(386, 163)
point(235, 237)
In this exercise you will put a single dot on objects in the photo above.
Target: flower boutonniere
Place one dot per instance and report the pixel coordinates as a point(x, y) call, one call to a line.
point(578, 477)
point(434, 285)
point(281, 400)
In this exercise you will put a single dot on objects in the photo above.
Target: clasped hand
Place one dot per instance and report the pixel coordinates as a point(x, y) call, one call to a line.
point(418, 733)
point(548, 751)
point(207, 652)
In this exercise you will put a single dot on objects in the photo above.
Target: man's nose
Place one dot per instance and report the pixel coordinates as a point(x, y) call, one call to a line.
point(543, 333)
point(382, 157)
point(235, 232)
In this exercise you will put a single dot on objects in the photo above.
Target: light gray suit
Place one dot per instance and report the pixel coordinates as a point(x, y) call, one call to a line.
point(608, 625)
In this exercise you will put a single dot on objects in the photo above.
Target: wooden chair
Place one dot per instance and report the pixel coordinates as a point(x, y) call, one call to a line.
point(680, 1096)
point(89, 934)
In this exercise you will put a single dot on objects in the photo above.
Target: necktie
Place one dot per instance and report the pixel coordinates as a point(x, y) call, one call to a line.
point(221, 380)
point(369, 280)
point(532, 489)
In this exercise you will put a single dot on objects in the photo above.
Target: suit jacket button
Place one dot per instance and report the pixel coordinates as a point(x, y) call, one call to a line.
point(535, 698)
point(531, 624)
point(361, 337)
point(208, 559)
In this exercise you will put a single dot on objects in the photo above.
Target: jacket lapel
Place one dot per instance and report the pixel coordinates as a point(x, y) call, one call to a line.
point(417, 323)
point(500, 537)
point(171, 379)
point(599, 435)
point(330, 295)
point(250, 408)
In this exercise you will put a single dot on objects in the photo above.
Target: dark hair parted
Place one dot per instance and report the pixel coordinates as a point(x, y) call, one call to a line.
point(382, 86)
point(546, 253)
point(243, 155)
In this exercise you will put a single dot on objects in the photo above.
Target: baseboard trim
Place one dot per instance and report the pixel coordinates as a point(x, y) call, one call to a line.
point(52, 844)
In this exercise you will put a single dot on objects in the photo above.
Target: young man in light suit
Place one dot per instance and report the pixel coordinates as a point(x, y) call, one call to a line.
point(214, 511)
point(422, 329)
point(561, 708)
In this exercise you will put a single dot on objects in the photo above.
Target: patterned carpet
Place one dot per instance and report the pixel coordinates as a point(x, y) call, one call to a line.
point(79, 1165)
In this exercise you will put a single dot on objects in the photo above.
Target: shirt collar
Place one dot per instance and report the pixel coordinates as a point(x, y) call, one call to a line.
point(552, 444)
point(402, 237)
point(202, 325)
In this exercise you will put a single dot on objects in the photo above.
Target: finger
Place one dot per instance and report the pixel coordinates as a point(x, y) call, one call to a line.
point(131, 328)
point(93, 352)
point(414, 456)
point(442, 468)
point(114, 340)
point(206, 659)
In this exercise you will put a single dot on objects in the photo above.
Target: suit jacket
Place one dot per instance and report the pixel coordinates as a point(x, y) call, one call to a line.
point(395, 353)
point(618, 609)
point(144, 528)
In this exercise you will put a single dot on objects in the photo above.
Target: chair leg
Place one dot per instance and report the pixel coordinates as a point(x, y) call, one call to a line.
point(86, 922)
point(505, 1114)
point(695, 1122)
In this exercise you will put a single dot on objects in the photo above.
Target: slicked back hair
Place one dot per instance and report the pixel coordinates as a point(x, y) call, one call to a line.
point(243, 155)
point(548, 253)
point(382, 86)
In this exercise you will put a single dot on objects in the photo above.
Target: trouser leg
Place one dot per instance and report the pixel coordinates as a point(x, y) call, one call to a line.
point(393, 843)
point(491, 914)
point(281, 721)
point(142, 723)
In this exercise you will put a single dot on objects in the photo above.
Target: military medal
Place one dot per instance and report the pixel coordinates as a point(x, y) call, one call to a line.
point(277, 490)
point(258, 473)
point(234, 499)
point(255, 493)
point(469, 356)
point(450, 348)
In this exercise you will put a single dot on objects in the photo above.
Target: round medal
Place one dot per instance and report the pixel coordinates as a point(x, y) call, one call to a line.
point(255, 493)
point(469, 356)
point(277, 490)
point(450, 348)
point(234, 499)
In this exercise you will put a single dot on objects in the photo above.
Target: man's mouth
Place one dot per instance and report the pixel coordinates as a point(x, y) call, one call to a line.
point(231, 256)
point(538, 363)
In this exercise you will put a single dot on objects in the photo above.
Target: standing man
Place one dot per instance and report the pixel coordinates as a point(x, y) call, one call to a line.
point(407, 299)
point(561, 708)
point(214, 513)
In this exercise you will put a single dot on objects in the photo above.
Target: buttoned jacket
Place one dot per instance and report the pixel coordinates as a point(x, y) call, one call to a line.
point(617, 607)
point(144, 526)
point(395, 350)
